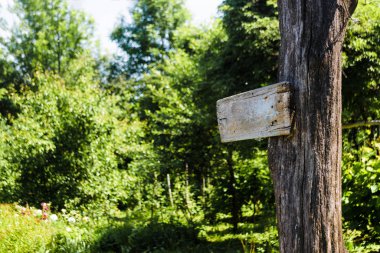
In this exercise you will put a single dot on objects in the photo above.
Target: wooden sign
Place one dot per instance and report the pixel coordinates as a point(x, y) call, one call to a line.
point(258, 113)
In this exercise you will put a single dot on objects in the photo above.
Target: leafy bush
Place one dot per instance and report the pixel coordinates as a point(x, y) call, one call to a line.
point(361, 184)
point(151, 237)
point(65, 144)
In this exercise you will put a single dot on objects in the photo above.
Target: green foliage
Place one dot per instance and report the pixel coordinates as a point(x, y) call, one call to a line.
point(361, 146)
point(173, 115)
point(22, 225)
point(48, 38)
point(361, 73)
point(152, 237)
point(361, 181)
point(149, 145)
point(151, 34)
point(48, 232)
point(68, 138)
point(354, 242)
point(17, 231)
point(248, 58)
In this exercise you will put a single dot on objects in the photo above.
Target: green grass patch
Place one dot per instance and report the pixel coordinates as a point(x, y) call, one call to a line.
point(23, 233)
point(24, 229)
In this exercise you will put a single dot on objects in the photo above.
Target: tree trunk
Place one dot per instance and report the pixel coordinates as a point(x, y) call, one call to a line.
point(187, 197)
point(169, 190)
point(232, 190)
point(306, 166)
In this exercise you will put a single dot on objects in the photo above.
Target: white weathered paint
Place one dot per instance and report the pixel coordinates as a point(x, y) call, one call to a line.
point(258, 113)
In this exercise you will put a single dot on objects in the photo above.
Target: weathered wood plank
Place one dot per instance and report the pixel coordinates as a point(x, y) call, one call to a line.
point(258, 113)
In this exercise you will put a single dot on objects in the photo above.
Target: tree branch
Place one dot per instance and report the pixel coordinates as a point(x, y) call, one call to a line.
point(361, 124)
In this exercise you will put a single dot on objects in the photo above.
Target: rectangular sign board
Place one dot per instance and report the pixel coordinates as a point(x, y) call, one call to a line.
point(259, 113)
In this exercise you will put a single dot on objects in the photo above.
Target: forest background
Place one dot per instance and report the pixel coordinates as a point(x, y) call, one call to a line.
point(125, 150)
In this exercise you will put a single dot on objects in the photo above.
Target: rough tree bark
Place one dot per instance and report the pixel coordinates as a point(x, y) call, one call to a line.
point(306, 166)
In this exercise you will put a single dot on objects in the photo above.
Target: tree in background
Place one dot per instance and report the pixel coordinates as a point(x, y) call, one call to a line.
point(66, 140)
point(247, 57)
point(67, 143)
point(230, 65)
point(361, 103)
point(150, 35)
point(147, 140)
point(178, 103)
point(361, 89)
point(48, 37)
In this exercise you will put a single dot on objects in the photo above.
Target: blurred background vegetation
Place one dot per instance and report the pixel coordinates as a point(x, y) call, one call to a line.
point(129, 144)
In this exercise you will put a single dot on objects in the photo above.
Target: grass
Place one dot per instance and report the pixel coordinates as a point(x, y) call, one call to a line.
point(23, 233)
point(24, 230)
point(20, 226)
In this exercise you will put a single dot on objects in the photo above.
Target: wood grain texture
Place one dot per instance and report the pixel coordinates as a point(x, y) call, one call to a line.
point(306, 166)
point(258, 113)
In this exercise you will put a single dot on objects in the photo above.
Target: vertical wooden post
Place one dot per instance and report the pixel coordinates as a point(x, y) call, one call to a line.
point(232, 190)
point(170, 190)
point(306, 166)
point(187, 193)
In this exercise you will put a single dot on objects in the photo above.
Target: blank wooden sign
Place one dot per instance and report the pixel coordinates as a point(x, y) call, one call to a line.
point(258, 113)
